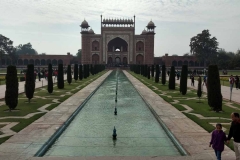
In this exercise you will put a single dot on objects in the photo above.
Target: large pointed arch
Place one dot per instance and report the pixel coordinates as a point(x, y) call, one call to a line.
point(117, 44)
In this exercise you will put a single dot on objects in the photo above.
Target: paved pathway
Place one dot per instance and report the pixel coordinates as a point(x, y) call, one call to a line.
point(225, 90)
point(38, 84)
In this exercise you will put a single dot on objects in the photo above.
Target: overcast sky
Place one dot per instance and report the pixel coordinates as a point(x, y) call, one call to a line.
point(52, 26)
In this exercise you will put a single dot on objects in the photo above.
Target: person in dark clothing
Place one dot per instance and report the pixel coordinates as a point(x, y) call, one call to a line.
point(39, 76)
point(217, 141)
point(237, 81)
point(235, 133)
point(192, 79)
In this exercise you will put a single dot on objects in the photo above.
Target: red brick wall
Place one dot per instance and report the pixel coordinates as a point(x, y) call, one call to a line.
point(86, 53)
point(65, 58)
point(149, 49)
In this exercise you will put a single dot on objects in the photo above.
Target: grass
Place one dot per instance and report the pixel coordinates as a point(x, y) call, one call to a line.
point(25, 108)
point(52, 106)
point(198, 108)
point(2, 140)
point(25, 122)
point(179, 107)
point(231, 72)
point(205, 110)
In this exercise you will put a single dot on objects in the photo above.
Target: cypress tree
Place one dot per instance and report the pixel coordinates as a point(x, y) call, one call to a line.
point(138, 69)
point(88, 70)
point(75, 72)
point(50, 81)
point(11, 93)
point(157, 74)
point(142, 70)
point(163, 74)
point(199, 91)
point(30, 82)
point(148, 71)
point(171, 84)
point(60, 82)
point(84, 71)
point(152, 71)
point(80, 72)
point(69, 74)
point(214, 88)
point(183, 79)
point(91, 69)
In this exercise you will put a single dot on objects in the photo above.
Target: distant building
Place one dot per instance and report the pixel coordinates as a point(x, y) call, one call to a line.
point(178, 61)
point(42, 60)
point(117, 44)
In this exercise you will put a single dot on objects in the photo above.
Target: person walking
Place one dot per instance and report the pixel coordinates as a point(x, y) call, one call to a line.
point(39, 75)
point(192, 80)
point(231, 81)
point(204, 80)
point(237, 82)
point(235, 133)
point(217, 140)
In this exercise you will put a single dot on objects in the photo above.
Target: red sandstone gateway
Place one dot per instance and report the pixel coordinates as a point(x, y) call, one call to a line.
point(117, 44)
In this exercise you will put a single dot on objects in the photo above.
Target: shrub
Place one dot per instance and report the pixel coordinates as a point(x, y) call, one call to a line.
point(214, 88)
point(91, 69)
point(75, 72)
point(30, 82)
point(88, 69)
point(183, 80)
point(152, 71)
point(199, 91)
point(171, 84)
point(60, 82)
point(149, 72)
point(145, 71)
point(22, 79)
point(80, 72)
point(157, 74)
point(50, 81)
point(163, 74)
point(11, 93)
point(69, 75)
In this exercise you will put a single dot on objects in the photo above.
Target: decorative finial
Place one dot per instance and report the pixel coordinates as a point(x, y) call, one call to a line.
point(115, 112)
point(114, 133)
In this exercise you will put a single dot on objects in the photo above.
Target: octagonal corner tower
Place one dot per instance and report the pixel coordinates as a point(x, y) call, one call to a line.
point(117, 44)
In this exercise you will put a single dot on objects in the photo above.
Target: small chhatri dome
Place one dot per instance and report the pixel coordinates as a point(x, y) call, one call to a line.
point(91, 31)
point(151, 24)
point(84, 24)
point(144, 31)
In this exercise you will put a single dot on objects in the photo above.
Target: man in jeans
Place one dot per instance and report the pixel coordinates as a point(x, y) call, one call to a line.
point(235, 133)
point(231, 80)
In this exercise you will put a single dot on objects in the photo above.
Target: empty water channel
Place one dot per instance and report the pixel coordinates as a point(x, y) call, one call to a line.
point(138, 131)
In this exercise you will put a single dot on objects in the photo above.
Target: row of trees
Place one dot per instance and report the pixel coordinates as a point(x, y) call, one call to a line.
point(11, 93)
point(213, 81)
point(148, 72)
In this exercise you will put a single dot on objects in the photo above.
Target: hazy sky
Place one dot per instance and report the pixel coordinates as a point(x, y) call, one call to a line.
point(52, 26)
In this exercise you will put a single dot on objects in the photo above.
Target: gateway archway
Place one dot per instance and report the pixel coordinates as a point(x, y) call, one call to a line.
point(117, 49)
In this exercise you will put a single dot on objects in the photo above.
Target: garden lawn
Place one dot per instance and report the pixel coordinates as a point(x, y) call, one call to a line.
point(192, 101)
point(41, 98)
